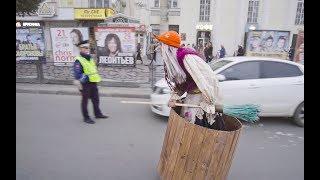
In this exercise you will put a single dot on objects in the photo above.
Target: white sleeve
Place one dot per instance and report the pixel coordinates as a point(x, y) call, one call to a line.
point(204, 77)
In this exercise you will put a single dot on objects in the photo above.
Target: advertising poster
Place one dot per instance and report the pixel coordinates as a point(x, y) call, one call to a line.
point(30, 45)
point(64, 44)
point(116, 46)
point(299, 49)
point(268, 43)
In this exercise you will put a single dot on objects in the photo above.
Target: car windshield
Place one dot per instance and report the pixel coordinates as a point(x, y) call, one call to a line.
point(219, 64)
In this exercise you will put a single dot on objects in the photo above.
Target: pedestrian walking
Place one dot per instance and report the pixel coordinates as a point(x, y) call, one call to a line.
point(86, 73)
point(139, 53)
point(291, 53)
point(153, 52)
point(240, 51)
point(208, 52)
point(222, 52)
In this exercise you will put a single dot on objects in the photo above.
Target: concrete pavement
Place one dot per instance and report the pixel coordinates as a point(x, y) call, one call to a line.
point(142, 92)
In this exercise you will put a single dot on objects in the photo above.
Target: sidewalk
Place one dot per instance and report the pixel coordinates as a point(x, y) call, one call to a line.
point(72, 90)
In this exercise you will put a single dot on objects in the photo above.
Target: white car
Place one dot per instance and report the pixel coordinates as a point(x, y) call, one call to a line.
point(161, 95)
point(276, 85)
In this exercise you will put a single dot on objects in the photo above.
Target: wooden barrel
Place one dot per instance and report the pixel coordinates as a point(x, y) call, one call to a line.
point(193, 152)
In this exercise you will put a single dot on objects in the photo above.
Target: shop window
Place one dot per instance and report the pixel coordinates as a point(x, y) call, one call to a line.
point(156, 3)
point(204, 10)
point(66, 3)
point(253, 11)
point(173, 3)
point(203, 37)
point(300, 13)
point(99, 3)
point(174, 28)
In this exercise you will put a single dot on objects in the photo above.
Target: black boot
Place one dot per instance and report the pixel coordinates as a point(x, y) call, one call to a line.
point(89, 121)
point(102, 117)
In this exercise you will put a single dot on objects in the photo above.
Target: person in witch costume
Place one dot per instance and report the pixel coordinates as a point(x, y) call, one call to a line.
point(186, 72)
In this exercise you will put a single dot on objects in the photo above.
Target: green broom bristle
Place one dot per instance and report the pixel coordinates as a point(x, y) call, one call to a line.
point(247, 112)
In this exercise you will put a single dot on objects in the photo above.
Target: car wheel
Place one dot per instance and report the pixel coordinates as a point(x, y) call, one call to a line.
point(298, 117)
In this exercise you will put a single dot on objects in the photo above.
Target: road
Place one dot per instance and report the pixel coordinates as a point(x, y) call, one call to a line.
point(53, 143)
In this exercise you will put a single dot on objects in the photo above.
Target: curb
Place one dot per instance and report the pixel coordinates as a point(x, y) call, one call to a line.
point(76, 93)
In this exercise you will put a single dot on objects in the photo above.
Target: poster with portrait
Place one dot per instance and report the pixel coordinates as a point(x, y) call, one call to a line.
point(64, 44)
point(268, 43)
point(116, 46)
point(299, 49)
point(30, 45)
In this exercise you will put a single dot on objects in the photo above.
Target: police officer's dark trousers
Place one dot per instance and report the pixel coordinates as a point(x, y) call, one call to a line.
point(90, 90)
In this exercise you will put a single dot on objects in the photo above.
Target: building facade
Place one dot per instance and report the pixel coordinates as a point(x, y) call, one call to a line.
point(222, 22)
point(78, 14)
point(219, 21)
point(225, 22)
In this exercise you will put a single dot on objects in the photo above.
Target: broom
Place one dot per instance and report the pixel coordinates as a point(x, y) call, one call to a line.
point(246, 112)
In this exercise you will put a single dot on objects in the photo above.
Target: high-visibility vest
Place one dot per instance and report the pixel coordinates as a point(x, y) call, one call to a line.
point(89, 69)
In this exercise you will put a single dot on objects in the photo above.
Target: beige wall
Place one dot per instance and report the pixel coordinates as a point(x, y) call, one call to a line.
point(280, 15)
point(190, 15)
point(228, 17)
point(226, 30)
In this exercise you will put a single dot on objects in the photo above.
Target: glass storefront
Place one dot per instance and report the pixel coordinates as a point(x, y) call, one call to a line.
point(203, 37)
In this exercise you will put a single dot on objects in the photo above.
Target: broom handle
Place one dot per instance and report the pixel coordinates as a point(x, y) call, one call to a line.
point(219, 107)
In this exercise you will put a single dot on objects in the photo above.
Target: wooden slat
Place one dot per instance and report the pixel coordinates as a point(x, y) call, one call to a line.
point(205, 155)
point(194, 152)
point(175, 148)
point(167, 151)
point(183, 152)
point(216, 155)
point(162, 162)
point(225, 154)
point(232, 151)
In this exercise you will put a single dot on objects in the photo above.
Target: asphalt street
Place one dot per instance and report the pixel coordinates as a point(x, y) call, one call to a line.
point(53, 143)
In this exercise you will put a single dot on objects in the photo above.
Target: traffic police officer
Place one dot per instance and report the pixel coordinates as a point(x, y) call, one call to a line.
point(85, 71)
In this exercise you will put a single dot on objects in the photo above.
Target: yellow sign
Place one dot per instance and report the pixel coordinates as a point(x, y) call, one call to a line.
point(89, 14)
point(92, 14)
point(109, 12)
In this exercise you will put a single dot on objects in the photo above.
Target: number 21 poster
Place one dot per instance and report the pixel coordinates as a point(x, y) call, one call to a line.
point(64, 44)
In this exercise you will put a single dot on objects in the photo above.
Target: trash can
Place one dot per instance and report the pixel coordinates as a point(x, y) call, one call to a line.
point(194, 152)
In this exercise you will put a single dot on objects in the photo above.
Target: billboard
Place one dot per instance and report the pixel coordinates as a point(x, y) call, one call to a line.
point(30, 45)
point(299, 49)
point(64, 44)
point(268, 43)
point(116, 45)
